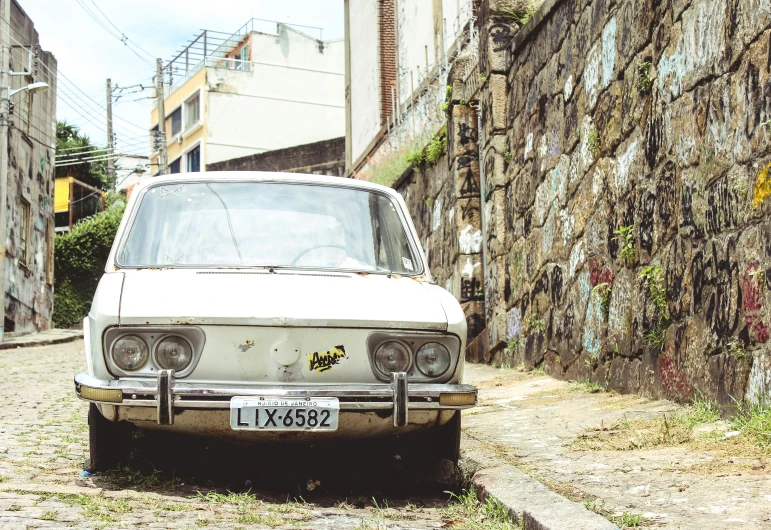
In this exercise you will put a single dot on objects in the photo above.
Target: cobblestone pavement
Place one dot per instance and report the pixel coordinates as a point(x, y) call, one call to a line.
point(43, 444)
point(621, 455)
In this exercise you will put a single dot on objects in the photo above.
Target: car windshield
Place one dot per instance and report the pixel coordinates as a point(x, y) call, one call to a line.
point(268, 224)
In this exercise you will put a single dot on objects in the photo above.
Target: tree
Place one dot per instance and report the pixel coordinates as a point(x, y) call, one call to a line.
point(72, 144)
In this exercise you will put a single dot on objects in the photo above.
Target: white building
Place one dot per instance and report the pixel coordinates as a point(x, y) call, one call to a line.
point(256, 90)
point(397, 54)
point(129, 170)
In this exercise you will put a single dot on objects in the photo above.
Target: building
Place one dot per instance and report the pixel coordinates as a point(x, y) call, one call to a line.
point(129, 170)
point(28, 267)
point(326, 157)
point(398, 54)
point(75, 200)
point(256, 90)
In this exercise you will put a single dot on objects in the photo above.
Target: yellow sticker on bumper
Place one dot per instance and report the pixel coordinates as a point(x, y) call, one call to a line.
point(320, 361)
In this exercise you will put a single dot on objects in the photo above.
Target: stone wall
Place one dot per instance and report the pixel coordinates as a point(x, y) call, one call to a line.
point(326, 157)
point(444, 203)
point(645, 117)
point(624, 188)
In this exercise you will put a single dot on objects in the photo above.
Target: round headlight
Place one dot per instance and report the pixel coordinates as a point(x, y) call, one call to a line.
point(392, 357)
point(174, 353)
point(432, 359)
point(130, 353)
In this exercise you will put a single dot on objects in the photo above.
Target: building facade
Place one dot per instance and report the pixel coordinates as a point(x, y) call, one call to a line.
point(230, 96)
point(398, 53)
point(326, 157)
point(29, 245)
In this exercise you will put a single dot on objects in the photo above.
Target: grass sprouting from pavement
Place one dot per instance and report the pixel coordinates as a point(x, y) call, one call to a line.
point(629, 434)
point(466, 512)
point(755, 421)
point(623, 520)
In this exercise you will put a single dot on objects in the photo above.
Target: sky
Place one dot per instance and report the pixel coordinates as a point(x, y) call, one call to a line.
point(87, 54)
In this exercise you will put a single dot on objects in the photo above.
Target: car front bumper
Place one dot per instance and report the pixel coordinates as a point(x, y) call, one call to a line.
point(166, 394)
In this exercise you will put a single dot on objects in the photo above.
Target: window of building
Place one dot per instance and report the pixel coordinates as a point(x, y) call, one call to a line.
point(176, 122)
point(174, 167)
point(50, 229)
point(24, 233)
point(194, 160)
point(242, 57)
point(192, 110)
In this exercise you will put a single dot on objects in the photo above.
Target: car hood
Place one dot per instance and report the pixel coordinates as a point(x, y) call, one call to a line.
point(283, 298)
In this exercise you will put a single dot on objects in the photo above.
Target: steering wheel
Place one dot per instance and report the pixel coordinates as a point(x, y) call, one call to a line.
point(304, 252)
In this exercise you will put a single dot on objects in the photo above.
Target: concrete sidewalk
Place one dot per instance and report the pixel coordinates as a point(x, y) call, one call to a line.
point(44, 338)
point(535, 443)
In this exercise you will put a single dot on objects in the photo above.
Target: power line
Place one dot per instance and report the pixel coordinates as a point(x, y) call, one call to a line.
point(64, 78)
point(125, 38)
point(121, 36)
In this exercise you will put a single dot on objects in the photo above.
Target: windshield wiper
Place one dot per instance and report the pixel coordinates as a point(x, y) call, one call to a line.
point(230, 225)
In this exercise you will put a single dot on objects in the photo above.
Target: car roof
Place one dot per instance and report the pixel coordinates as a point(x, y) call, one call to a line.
point(261, 176)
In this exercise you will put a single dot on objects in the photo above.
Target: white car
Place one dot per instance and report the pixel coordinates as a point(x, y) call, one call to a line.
point(271, 307)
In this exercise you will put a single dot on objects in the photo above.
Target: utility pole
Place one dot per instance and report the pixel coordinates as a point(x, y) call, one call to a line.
point(163, 158)
point(5, 107)
point(110, 142)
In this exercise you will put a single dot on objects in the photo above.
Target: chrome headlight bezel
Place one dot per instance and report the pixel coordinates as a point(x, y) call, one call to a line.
point(414, 341)
point(152, 335)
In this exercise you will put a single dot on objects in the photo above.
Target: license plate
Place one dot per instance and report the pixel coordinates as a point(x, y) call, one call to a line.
point(284, 414)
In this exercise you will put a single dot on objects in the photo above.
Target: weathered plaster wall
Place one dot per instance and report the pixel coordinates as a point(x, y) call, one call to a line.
point(579, 141)
point(29, 296)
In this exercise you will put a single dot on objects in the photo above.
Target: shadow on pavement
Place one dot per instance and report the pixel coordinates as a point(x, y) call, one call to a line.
point(356, 471)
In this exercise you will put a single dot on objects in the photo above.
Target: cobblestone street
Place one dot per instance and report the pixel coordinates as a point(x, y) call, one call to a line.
point(43, 444)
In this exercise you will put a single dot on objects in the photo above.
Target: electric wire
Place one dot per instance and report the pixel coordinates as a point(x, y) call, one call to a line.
point(122, 37)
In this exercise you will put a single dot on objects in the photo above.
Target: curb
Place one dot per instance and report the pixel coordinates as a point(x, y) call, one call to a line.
point(528, 502)
point(40, 342)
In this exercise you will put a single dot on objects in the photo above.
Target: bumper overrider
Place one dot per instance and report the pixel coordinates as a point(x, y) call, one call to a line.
point(166, 394)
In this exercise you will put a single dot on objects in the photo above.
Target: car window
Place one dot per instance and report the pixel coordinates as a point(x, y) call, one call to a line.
point(221, 224)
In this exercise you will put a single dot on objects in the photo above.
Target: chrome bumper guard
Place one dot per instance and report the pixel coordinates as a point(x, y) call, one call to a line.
point(167, 394)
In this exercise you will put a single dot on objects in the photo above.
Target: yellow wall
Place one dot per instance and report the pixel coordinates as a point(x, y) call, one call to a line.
point(62, 194)
point(174, 100)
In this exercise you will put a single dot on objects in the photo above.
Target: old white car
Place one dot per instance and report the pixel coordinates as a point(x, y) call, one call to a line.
point(269, 307)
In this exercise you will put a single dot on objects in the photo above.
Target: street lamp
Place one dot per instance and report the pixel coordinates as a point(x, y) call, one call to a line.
point(5, 103)
point(38, 86)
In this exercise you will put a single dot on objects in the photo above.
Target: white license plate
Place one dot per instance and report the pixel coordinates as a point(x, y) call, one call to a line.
point(284, 414)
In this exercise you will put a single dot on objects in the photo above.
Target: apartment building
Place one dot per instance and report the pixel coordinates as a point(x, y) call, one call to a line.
point(267, 86)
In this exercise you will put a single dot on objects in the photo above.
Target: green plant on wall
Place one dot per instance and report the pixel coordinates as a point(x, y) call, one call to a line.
point(644, 77)
point(652, 278)
point(593, 142)
point(601, 293)
point(521, 18)
point(736, 349)
point(536, 323)
point(625, 237)
point(482, 79)
point(430, 154)
point(435, 149)
point(416, 158)
point(760, 275)
point(508, 156)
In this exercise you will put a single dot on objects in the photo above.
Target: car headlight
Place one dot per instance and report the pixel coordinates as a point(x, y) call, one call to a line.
point(174, 353)
point(130, 353)
point(432, 359)
point(392, 356)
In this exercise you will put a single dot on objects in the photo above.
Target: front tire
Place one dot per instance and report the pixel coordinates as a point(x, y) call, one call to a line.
point(446, 439)
point(107, 442)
